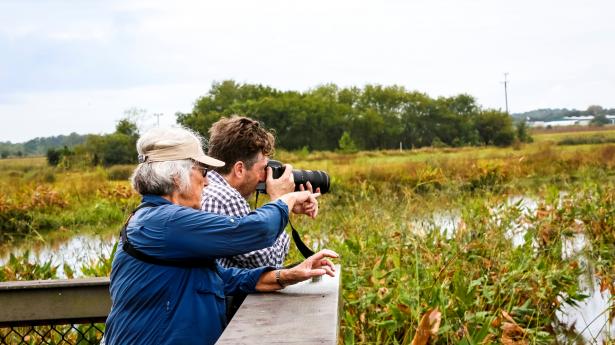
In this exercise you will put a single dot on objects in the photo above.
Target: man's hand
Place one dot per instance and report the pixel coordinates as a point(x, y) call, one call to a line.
point(314, 266)
point(311, 210)
point(282, 185)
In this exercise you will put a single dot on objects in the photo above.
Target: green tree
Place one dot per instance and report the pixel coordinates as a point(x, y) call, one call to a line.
point(595, 110)
point(53, 157)
point(523, 133)
point(376, 116)
point(115, 148)
point(495, 128)
point(124, 126)
point(346, 143)
point(225, 98)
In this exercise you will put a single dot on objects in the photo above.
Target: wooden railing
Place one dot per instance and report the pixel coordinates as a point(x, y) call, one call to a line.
point(305, 313)
point(44, 301)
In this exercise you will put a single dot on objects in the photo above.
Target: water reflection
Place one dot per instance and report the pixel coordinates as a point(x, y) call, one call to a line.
point(526, 206)
point(445, 221)
point(75, 252)
point(588, 318)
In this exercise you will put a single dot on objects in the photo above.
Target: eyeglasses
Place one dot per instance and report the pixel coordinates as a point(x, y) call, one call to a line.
point(202, 169)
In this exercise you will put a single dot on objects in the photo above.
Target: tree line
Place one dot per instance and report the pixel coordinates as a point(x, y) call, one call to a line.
point(108, 149)
point(40, 145)
point(324, 118)
point(373, 117)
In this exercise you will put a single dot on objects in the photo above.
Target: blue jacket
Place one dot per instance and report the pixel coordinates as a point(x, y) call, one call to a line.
point(154, 304)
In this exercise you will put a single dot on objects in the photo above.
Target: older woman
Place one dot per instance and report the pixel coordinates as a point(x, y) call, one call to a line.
point(165, 285)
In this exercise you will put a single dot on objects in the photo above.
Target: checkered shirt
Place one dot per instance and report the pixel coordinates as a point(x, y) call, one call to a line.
point(220, 197)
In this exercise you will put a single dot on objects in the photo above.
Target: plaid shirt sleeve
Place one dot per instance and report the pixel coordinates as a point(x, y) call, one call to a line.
point(219, 197)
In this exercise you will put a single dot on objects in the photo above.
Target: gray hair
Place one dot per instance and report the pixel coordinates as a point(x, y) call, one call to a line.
point(162, 178)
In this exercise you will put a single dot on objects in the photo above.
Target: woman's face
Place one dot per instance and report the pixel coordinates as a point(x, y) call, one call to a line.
point(198, 181)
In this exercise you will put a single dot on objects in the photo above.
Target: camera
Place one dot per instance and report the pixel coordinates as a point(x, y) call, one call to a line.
point(317, 178)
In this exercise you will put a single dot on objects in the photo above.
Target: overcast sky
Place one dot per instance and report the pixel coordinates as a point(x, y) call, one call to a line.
point(77, 66)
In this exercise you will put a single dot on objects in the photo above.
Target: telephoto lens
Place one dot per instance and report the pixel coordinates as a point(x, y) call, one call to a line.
point(317, 178)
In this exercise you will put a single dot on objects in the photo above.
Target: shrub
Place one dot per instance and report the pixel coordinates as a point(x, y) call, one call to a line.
point(437, 143)
point(120, 172)
point(347, 145)
point(595, 139)
point(487, 177)
point(53, 157)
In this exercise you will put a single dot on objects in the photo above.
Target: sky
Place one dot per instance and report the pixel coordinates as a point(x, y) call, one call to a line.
point(80, 66)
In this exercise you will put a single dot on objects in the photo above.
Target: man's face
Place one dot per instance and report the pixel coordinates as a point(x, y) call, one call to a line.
point(254, 175)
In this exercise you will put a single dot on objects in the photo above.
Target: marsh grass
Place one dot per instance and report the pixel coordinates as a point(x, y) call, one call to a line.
point(394, 273)
point(395, 268)
point(36, 207)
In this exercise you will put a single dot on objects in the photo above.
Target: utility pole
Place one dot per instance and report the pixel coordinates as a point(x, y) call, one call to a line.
point(506, 90)
point(158, 115)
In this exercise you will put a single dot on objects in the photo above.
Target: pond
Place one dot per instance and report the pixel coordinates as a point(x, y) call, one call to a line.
point(75, 252)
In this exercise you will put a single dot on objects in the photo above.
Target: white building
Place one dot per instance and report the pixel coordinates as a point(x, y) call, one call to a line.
point(568, 121)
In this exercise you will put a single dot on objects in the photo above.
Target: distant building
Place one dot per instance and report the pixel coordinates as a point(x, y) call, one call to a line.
point(568, 121)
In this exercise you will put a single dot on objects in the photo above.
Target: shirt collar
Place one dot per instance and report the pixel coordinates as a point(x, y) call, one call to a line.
point(216, 177)
point(155, 199)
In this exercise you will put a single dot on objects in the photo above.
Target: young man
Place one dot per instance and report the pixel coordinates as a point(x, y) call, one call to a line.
point(245, 146)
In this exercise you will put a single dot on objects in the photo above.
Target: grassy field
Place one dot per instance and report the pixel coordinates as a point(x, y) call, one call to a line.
point(496, 270)
point(558, 134)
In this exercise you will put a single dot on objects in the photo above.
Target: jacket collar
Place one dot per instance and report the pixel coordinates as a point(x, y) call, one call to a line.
point(155, 199)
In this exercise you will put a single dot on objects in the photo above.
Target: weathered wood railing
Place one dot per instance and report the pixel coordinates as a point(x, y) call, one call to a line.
point(305, 313)
point(44, 301)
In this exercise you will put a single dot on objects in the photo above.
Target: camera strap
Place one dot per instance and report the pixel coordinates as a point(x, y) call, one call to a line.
point(303, 248)
point(139, 255)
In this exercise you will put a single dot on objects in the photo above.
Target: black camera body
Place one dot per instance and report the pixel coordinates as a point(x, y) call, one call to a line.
point(317, 178)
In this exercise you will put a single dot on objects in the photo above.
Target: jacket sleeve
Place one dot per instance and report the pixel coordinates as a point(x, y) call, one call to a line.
point(194, 234)
point(239, 280)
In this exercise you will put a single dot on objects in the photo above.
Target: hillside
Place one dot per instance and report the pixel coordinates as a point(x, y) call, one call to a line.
point(40, 145)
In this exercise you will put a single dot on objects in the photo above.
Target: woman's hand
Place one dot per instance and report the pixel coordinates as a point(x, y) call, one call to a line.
point(314, 266)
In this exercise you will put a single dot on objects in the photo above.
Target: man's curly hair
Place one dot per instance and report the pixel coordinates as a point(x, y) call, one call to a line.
point(239, 138)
